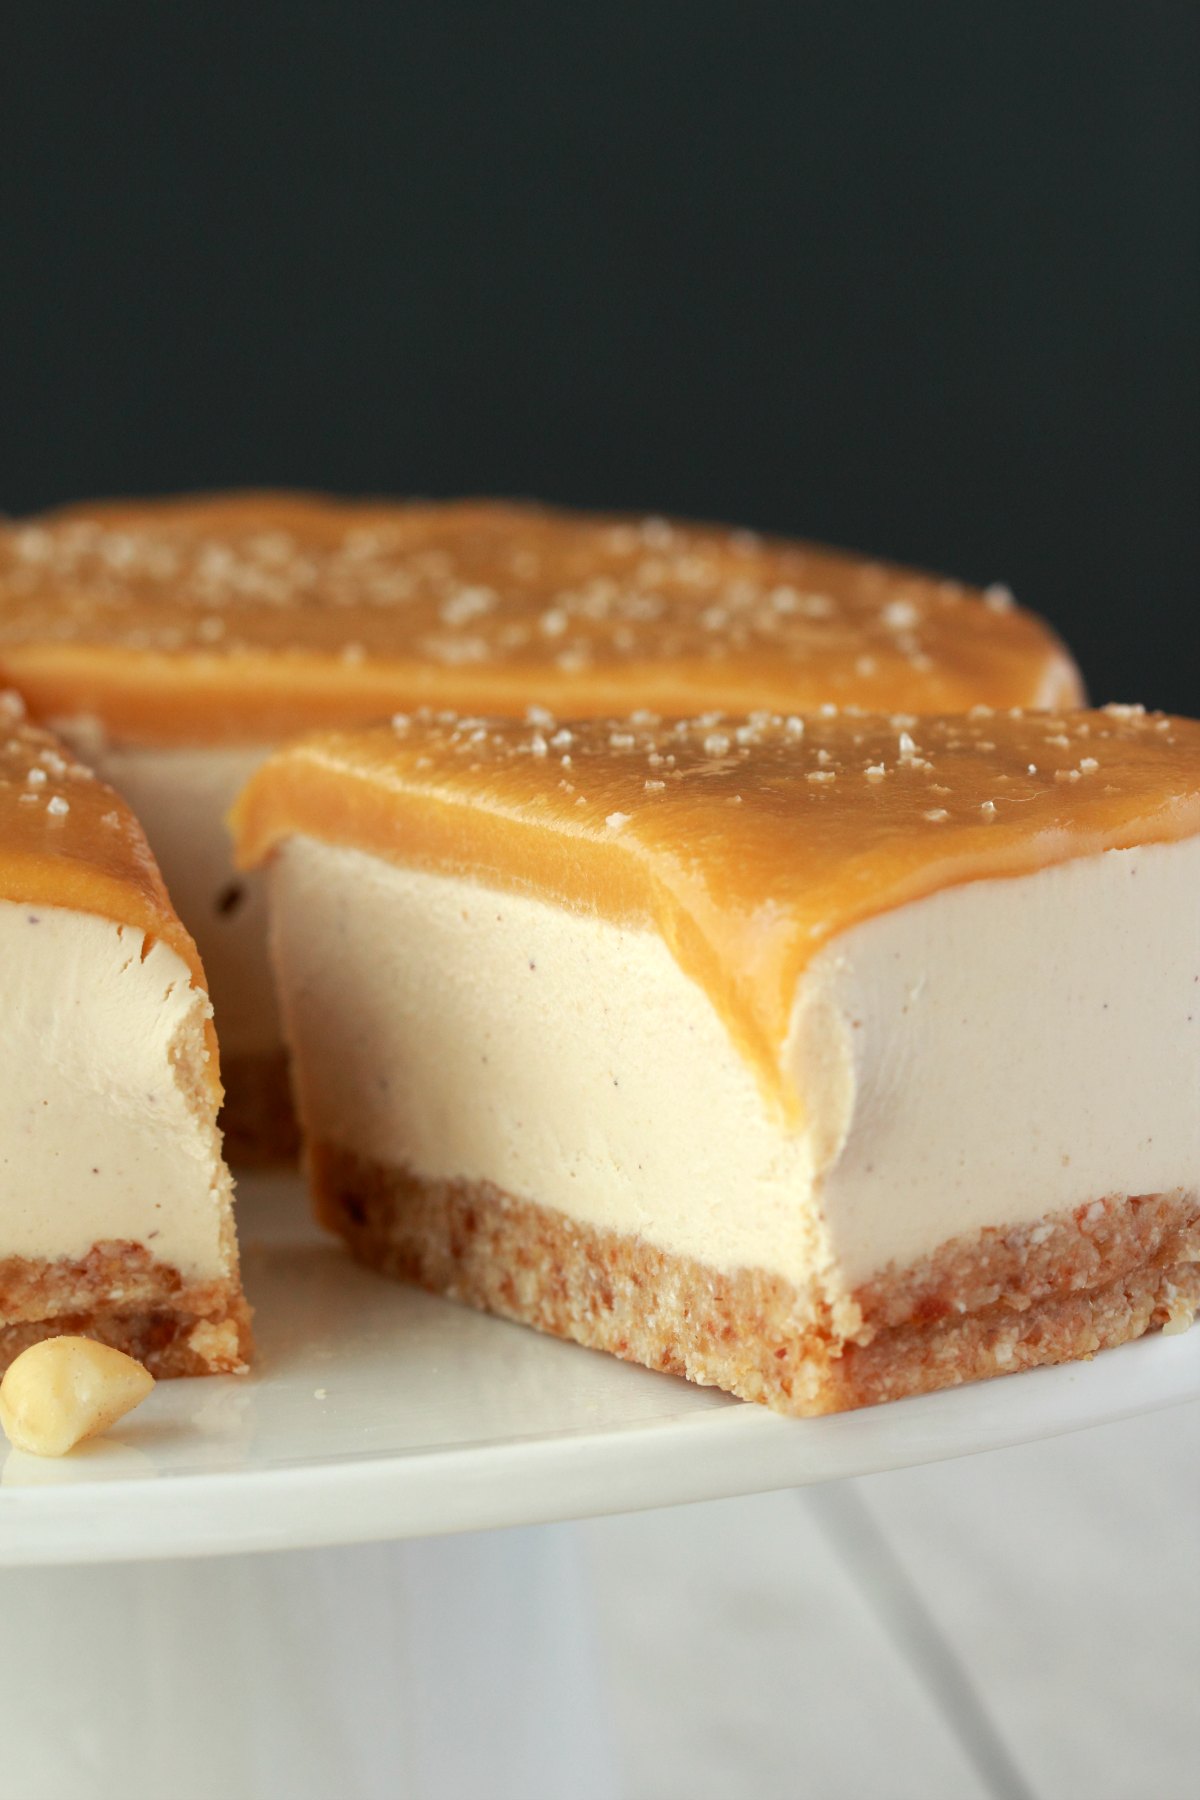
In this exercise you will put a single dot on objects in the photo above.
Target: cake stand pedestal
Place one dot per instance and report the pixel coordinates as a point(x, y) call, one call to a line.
point(414, 1671)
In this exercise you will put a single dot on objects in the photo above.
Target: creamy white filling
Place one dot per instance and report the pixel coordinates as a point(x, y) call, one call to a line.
point(996, 1052)
point(1006, 1049)
point(988, 1055)
point(99, 1136)
point(182, 798)
point(465, 1033)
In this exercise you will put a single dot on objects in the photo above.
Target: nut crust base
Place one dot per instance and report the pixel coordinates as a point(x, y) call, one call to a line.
point(175, 1328)
point(984, 1305)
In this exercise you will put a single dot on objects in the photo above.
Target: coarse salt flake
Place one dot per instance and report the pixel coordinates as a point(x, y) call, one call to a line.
point(899, 615)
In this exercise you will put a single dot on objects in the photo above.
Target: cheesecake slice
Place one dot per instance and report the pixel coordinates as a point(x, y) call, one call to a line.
point(116, 1218)
point(174, 643)
point(823, 1060)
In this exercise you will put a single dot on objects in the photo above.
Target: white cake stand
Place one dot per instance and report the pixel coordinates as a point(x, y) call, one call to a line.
point(378, 1414)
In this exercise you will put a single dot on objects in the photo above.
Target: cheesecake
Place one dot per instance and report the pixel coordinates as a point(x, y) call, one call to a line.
point(116, 1218)
point(174, 643)
point(825, 1060)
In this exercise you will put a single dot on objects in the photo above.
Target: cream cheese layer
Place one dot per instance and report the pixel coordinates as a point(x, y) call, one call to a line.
point(1004, 1050)
point(106, 1128)
point(469, 1034)
point(983, 1055)
point(182, 798)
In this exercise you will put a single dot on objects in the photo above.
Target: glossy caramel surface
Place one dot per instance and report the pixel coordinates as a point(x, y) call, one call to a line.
point(68, 840)
point(242, 618)
point(747, 843)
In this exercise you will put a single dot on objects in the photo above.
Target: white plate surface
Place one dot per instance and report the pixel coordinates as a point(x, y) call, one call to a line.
point(379, 1412)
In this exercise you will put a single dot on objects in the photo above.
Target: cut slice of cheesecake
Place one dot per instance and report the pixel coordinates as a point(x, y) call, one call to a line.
point(823, 1060)
point(116, 1217)
point(175, 642)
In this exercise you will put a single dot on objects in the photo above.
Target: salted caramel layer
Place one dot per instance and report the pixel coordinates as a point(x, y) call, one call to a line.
point(247, 617)
point(747, 844)
point(69, 841)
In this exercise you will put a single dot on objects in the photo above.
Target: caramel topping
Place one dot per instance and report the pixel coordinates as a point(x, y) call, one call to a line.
point(747, 843)
point(68, 840)
point(245, 617)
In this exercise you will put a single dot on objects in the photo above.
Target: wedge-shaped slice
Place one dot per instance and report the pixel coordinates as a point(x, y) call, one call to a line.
point(824, 1061)
point(116, 1220)
point(175, 642)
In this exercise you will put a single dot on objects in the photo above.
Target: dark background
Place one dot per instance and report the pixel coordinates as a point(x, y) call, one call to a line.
point(919, 278)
